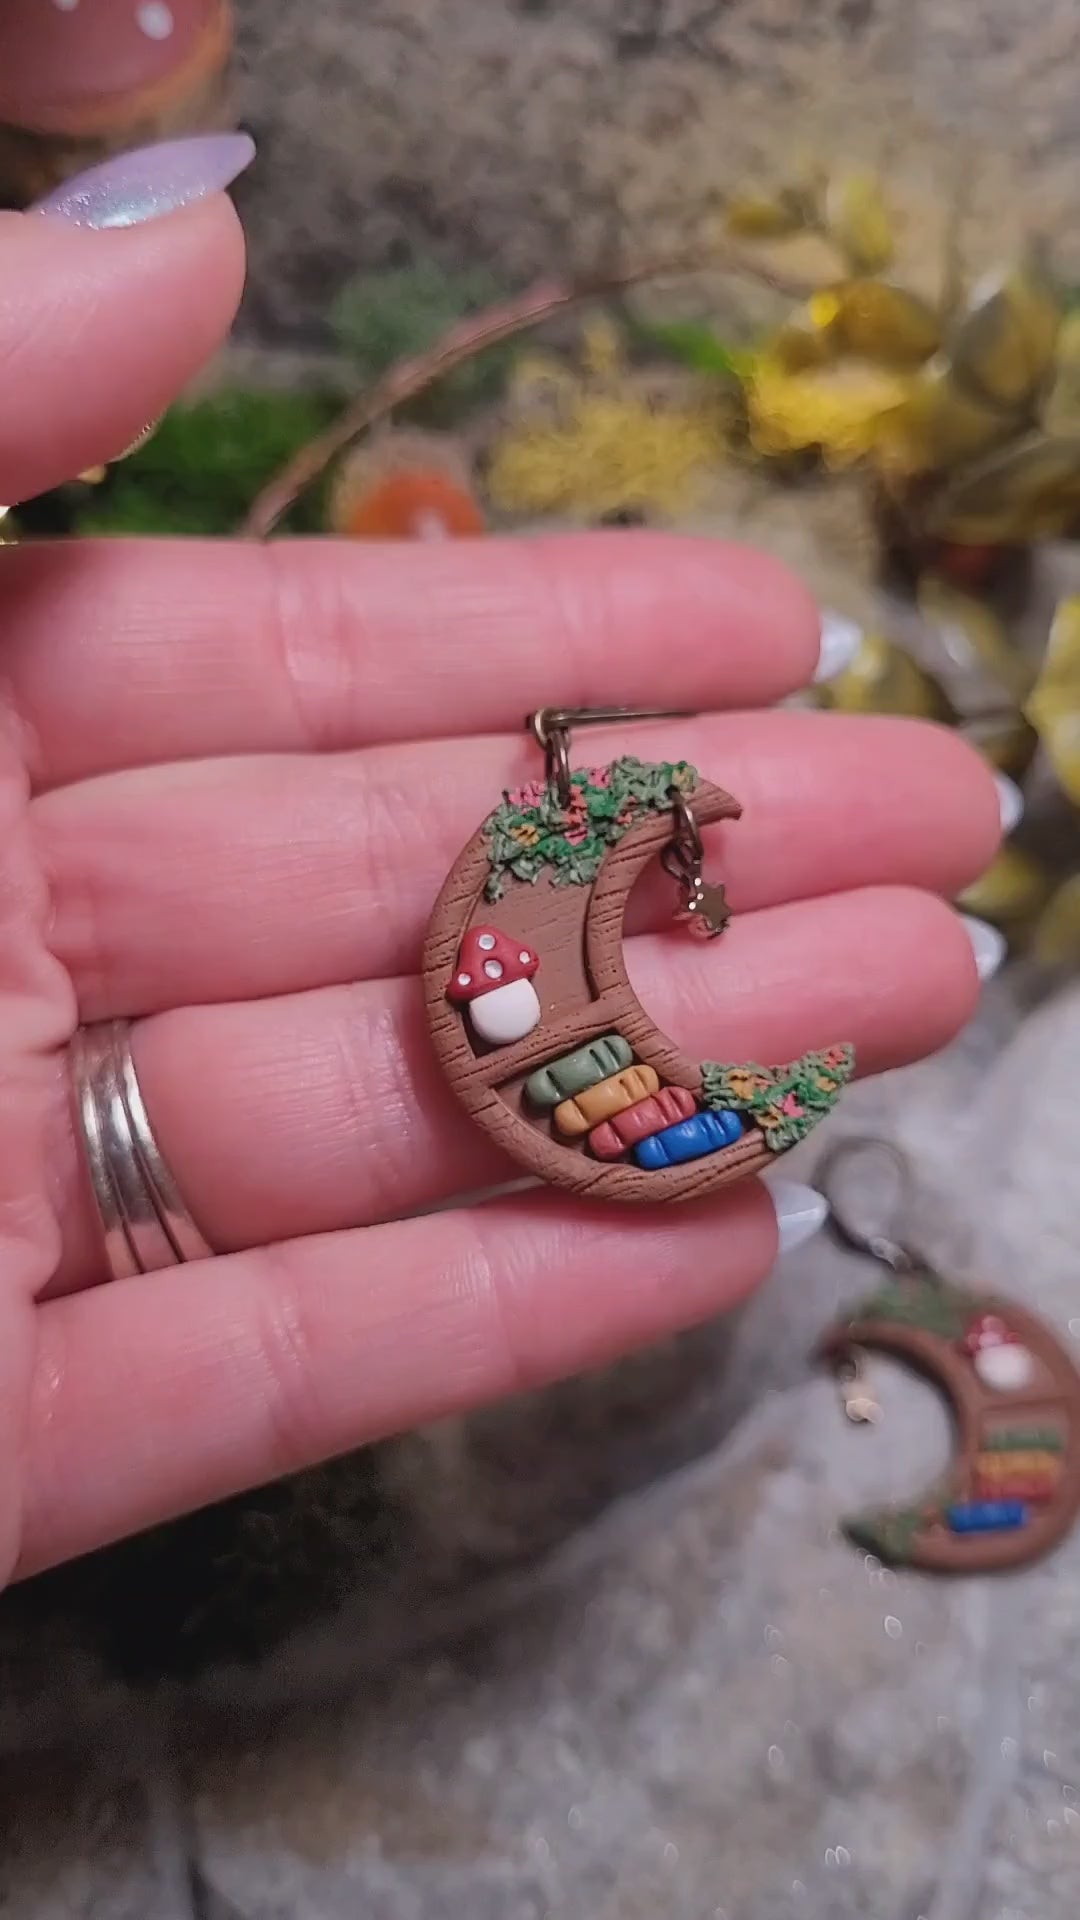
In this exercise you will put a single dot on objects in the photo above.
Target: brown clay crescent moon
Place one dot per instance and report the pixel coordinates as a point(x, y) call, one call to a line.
point(585, 993)
point(920, 1320)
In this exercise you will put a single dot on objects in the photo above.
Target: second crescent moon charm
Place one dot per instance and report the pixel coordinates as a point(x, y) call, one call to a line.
point(533, 1016)
point(1012, 1490)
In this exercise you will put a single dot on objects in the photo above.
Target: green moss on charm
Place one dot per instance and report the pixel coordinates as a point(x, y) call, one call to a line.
point(785, 1102)
point(890, 1532)
point(919, 1300)
point(531, 832)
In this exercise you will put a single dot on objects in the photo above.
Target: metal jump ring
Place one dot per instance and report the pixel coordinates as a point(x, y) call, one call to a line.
point(688, 826)
point(684, 853)
point(552, 733)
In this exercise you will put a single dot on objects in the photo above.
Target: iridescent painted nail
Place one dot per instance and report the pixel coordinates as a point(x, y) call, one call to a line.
point(839, 644)
point(133, 187)
point(988, 944)
point(1010, 801)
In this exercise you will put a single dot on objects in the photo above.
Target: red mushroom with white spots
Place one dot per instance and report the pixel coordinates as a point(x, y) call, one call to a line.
point(999, 1357)
point(493, 978)
point(87, 68)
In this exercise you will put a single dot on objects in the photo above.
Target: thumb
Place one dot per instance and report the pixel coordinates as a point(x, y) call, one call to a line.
point(107, 309)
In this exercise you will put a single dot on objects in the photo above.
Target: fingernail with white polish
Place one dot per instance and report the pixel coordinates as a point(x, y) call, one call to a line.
point(988, 945)
point(800, 1211)
point(840, 642)
point(1011, 802)
point(133, 187)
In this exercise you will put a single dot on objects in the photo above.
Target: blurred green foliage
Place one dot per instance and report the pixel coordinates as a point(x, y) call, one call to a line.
point(380, 318)
point(203, 467)
point(689, 343)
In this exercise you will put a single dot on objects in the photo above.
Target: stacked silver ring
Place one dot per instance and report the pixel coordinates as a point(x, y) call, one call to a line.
point(145, 1224)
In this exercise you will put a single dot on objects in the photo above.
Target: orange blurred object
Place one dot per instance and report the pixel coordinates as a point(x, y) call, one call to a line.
point(411, 504)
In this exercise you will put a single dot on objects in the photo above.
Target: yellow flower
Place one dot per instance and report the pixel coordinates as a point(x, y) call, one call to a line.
point(744, 1083)
point(590, 439)
point(837, 410)
point(606, 449)
point(525, 834)
point(602, 353)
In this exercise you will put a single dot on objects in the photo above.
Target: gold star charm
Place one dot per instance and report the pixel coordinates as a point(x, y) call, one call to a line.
point(707, 908)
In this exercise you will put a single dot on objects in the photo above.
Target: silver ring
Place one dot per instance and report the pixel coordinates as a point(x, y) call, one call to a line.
point(145, 1224)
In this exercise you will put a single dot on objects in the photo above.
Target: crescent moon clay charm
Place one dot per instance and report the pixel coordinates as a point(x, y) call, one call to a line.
point(1012, 1490)
point(532, 1013)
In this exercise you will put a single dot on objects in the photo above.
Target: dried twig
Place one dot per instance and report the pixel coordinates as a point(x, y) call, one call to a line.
point(463, 342)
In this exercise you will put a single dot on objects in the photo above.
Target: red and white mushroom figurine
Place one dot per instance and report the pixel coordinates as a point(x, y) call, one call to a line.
point(493, 979)
point(88, 68)
point(998, 1355)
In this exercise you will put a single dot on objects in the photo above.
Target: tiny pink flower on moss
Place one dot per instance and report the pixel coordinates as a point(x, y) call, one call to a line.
point(576, 836)
point(528, 796)
point(790, 1107)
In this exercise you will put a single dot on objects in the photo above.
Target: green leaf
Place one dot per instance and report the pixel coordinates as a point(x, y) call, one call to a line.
point(692, 345)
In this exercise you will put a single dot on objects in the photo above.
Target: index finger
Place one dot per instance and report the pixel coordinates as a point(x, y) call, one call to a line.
point(99, 330)
point(122, 654)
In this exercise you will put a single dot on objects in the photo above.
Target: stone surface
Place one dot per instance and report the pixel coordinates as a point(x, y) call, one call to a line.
point(98, 1837)
point(529, 134)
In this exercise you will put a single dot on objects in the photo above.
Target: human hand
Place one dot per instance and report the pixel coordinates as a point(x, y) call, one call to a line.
point(231, 780)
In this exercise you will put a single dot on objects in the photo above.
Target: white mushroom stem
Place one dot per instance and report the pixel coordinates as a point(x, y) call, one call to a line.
point(1006, 1368)
point(505, 1013)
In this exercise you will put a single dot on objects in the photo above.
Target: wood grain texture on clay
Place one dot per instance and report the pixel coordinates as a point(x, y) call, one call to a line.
point(584, 992)
point(1050, 1399)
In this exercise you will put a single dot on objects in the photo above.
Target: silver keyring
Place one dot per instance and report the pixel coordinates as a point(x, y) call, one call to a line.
point(145, 1224)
